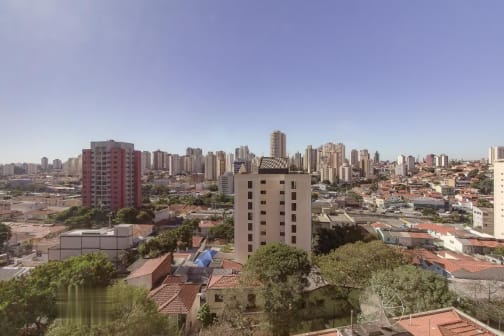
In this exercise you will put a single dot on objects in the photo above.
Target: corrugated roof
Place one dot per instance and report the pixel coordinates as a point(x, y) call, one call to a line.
point(149, 266)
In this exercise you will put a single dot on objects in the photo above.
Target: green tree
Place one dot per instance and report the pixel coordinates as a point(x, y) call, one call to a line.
point(127, 216)
point(352, 265)
point(282, 271)
point(473, 173)
point(5, 235)
point(327, 240)
point(204, 315)
point(409, 289)
point(132, 313)
point(224, 230)
point(213, 187)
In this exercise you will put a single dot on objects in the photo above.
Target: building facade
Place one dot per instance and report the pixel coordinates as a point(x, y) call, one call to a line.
point(111, 176)
point(272, 206)
point(278, 145)
point(499, 199)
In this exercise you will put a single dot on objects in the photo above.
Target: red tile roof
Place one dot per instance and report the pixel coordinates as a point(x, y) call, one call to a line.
point(230, 264)
point(486, 243)
point(442, 229)
point(175, 298)
point(150, 266)
point(173, 279)
point(196, 241)
point(445, 322)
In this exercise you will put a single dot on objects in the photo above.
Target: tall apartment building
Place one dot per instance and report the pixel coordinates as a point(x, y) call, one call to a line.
point(210, 167)
point(365, 163)
point(345, 172)
point(376, 158)
point(430, 159)
point(146, 161)
point(310, 159)
point(354, 158)
point(410, 164)
point(158, 160)
point(278, 145)
point(499, 199)
point(57, 164)
point(226, 183)
point(220, 163)
point(495, 153)
point(44, 163)
point(441, 161)
point(271, 206)
point(111, 175)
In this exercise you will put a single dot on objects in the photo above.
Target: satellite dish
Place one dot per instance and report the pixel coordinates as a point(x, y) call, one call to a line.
point(382, 304)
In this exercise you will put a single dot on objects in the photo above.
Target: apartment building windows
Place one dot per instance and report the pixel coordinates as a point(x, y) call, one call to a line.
point(250, 237)
point(249, 216)
point(263, 181)
point(293, 218)
point(293, 239)
point(293, 228)
point(282, 223)
point(263, 202)
point(293, 196)
point(282, 202)
point(293, 184)
point(282, 182)
point(250, 184)
point(263, 222)
point(250, 195)
point(250, 205)
point(293, 206)
point(263, 192)
point(282, 213)
point(250, 248)
point(263, 212)
point(250, 226)
point(282, 192)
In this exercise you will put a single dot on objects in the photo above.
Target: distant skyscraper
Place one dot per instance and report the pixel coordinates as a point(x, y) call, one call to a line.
point(376, 158)
point(57, 164)
point(365, 163)
point(158, 160)
point(146, 161)
point(345, 172)
point(495, 153)
point(220, 163)
point(441, 161)
point(354, 158)
point(430, 159)
point(410, 164)
point(44, 163)
point(229, 162)
point(310, 159)
point(278, 145)
point(498, 198)
point(242, 153)
point(210, 167)
point(401, 159)
point(111, 175)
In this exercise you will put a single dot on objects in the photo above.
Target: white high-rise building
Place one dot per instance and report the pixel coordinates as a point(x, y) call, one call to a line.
point(271, 206)
point(401, 159)
point(345, 172)
point(310, 159)
point(278, 145)
point(210, 167)
point(229, 162)
point(146, 161)
point(44, 163)
point(31, 168)
point(226, 183)
point(495, 153)
point(57, 164)
point(499, 198)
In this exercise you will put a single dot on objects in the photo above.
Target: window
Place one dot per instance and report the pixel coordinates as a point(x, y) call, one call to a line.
point(263, 202)
point(249, 216)
point(250, 237)
point(251, 301)
point(263, 212)
point(263, 243)
point(282, 223)
point(282, 192)
point(282, 234)
point(263, 222)
point(250, 226)
point(293, 229)
point(293, 239)
point(263, 233)
point(250, 195)
point(250, 205)
point(219, 298)
point(282, 182)
point(293, 184)
point(250, 248)
point(263, 192)
point(293, 206)
point(250, 184)
point(263, 181)
point(282, 202)
point(282, 213)
point(293, 217)
point(293, 195)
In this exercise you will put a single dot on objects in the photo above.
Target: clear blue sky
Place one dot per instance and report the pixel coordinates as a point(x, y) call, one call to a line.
point(408, 77)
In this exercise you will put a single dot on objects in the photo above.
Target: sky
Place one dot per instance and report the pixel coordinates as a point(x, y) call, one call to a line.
point(411, 77)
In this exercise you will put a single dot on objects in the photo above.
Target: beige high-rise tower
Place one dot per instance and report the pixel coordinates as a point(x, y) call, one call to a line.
point(271, 206)
point(499, 199)
point(278, 144)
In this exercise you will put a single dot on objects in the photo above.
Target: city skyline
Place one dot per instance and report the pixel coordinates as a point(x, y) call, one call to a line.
point(402, 78)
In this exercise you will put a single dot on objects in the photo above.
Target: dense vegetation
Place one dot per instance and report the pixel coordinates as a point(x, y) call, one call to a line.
point(170, 240)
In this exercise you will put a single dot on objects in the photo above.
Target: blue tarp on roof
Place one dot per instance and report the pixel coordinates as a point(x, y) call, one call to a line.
point(205, 258)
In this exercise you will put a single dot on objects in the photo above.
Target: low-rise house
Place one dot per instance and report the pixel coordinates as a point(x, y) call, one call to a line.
point(457, 265)
point(483, 219)
point(151, 272)
point(406, 238)
point(180, 301)
point(111, 241)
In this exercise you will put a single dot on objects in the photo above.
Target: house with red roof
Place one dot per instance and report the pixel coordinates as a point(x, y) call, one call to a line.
point(151, 272)
point(179, 301)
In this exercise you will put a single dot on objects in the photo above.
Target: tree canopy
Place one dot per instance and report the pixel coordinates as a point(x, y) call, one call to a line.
point(327, 240)
point(409, 289)
point(5, 235)
point(282, 271)
point(224, 230)
point(352, 265)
